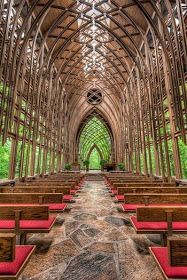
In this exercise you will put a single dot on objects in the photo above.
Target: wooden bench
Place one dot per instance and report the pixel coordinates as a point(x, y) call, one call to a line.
point(163, 220)
point(113, 187)
point(52, 200)
point(13, 258)
point(46, 183)
point(133, 201)
point(145, 184)
point(65, 191)
point(120, 196)
point(172, 260)
point(21, 219)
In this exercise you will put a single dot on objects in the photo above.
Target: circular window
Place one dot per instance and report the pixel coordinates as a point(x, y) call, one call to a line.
point(94, 96)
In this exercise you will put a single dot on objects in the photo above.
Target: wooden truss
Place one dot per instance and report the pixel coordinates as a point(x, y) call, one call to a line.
point(53, 52)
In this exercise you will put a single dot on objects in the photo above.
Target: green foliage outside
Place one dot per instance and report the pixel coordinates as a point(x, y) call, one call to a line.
point(68, 166)
point(95, 160)
point(95, 133)
point(5, 159)
point(121, 166)
point(183, 156)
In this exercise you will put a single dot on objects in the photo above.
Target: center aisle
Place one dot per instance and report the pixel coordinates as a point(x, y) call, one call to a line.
point(96, 242)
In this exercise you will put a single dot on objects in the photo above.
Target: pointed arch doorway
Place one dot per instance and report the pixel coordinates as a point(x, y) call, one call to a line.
point(94, 142)
point(95, 156)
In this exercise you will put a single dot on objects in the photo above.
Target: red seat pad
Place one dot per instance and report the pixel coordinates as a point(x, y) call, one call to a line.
point(158, 225)
point(73, 192)
point(12, 268)
point(130, 207)
point(119, 197)
point(161, 254)
point(114, 191)
point(57, 206)
point(67, 197)
point(133, 207)
point(30, 224)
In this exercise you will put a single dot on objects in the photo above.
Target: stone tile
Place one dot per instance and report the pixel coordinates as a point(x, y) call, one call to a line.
point(89, 266)
point(114, 235)
point(85, 217)
point(80, 238)
point(116, 221)
point(101, 247)
point(71, 226)
point(92, 232)
point(43, 260)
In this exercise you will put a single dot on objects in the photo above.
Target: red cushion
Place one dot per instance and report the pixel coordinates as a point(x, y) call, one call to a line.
point(114, 191)
point(57, 206)
point(73, 192)
point(30, 224)
point(130, 207)
point(119, 197)
point(161, 254)
point(12, 268)
point(158, 225)
point(133, 207)
point(67, 197)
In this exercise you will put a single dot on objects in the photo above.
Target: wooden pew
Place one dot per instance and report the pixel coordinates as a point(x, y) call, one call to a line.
point(46, 183)
point(116, 186)
point(113, 187)
point(163, 220)
point(13, 258)
point(52, 200)
point(144, 184)
point(132, 201)
point(120, 196)
point(151, 190)
point(65, 191)
point(21, 219)
point(172, 260)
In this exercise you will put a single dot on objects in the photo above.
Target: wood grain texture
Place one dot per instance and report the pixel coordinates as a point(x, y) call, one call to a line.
point(36, 189)
point(154, 198)
point(7, 247)
point(124, 190)
point(26, 212)
point(159, 214)
point(30, 198)
point(177, 250)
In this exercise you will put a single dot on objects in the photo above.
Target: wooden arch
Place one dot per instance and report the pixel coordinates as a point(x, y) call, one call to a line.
point(97, 148)
point(140, 63)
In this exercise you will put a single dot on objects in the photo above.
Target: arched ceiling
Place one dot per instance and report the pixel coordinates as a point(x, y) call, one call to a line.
point(93, 42)
point(52, 52)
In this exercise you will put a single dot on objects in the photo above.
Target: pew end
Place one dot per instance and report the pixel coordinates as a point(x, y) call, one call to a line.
point(13, 258)
point(172, 260)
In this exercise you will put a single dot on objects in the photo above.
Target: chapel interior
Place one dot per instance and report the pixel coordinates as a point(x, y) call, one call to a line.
point(93, 139)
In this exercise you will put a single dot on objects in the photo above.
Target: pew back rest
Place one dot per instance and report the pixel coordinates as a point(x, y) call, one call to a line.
point(144, 184)
point(160, 214)
point(154, 198)
point(124, 190)
point(30, 198)
point(36, 189)
point(177, 251)
point(25, 212)
point(7, 247)
point(46, 184)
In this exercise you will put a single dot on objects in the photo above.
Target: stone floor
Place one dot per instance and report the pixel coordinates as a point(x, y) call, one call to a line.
point(96, 242)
